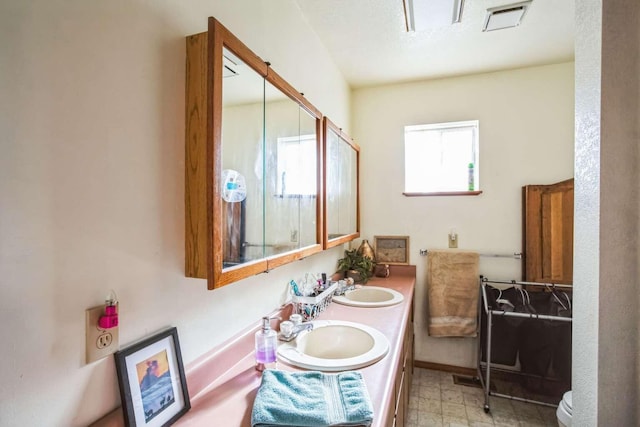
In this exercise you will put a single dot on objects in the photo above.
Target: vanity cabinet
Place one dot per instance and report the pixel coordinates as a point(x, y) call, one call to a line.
point(403, 377)
point(253, 157)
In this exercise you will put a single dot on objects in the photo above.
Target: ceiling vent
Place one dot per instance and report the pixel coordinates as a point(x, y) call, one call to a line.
point(423, 15)
point(229, 66)
point(506, 16)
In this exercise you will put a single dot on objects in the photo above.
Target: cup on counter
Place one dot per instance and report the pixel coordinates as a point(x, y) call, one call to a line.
point(381, 270)
point(295, 319)
point(286, 328)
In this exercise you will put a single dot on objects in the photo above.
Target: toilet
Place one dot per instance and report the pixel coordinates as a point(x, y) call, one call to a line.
point(565, 409)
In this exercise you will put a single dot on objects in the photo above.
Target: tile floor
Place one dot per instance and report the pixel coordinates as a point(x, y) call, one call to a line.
point(436, 401)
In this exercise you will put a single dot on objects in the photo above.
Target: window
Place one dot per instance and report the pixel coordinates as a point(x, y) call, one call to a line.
point(441, 158)
point(297, 166)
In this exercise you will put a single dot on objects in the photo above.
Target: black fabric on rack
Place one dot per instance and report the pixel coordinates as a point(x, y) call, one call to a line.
point(504, 331)
point(545, 344)
point(536, 341)
point(561, 362)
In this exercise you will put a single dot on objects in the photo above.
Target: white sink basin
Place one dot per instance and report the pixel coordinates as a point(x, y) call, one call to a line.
point(370, 296)
point(335, 345)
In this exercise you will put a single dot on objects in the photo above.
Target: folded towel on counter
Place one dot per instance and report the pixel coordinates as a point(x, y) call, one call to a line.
point(311, 399)
point(453, 293)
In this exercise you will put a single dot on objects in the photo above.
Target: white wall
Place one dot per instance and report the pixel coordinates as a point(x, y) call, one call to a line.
point(587, 213)
point(526, 137)
point(606, 336)
point(92, 187)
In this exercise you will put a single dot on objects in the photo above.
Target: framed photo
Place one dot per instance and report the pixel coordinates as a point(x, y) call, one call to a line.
point(392, 249)
point(152, 381)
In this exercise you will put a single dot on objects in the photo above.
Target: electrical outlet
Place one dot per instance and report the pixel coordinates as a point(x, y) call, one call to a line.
point(294, 236)
point(104, 340)
point(99, 342)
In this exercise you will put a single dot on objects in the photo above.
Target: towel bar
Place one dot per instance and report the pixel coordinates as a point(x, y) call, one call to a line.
point(515, 255)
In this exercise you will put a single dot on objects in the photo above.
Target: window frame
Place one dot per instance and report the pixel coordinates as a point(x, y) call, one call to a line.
point(476, 154)
point(282, 142)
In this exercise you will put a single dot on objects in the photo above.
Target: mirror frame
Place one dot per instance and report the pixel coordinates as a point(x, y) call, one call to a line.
point(219, 37)
point(327, 126)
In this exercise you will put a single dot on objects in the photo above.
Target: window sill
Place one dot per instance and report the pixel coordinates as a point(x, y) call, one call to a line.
point(444, 193)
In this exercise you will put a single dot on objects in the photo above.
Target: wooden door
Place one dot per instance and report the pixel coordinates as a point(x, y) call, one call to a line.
point(548, 232)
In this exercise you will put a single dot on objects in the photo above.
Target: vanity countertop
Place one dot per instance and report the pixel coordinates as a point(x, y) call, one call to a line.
point(223, 382)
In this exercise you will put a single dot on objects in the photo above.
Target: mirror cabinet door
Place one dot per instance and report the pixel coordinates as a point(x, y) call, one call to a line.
point(252, 159)
point(291, 172)
point(308, 204)
point(291, 176)
point(235, 149)
point(241, 176)
point(341, 153)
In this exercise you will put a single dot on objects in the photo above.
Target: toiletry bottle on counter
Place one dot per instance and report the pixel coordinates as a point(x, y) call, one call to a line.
point(266, 346)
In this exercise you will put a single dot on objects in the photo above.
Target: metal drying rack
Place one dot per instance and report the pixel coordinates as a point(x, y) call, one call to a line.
point(490, 312)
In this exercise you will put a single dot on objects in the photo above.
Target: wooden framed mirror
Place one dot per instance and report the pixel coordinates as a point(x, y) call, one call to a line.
point(341, 186)
point(245, 126)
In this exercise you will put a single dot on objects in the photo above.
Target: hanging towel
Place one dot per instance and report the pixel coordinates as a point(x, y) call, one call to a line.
point(453, 290)
point(311, 399)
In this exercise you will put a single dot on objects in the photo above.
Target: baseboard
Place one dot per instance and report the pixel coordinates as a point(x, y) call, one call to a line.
point(446, 368)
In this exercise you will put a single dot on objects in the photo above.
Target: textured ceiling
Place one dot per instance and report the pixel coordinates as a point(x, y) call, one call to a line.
point(369, 43)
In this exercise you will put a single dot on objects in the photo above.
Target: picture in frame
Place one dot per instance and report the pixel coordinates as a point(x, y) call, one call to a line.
point(152, 382)
point(391, 249)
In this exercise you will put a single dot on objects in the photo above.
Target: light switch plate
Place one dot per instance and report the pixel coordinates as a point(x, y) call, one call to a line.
point(99, 342)
point(453, 240)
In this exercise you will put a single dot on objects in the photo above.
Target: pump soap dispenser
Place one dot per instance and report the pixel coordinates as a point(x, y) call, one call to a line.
point(266, 345)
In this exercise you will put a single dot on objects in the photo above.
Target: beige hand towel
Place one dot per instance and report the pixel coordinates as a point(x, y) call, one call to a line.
point(452, 282)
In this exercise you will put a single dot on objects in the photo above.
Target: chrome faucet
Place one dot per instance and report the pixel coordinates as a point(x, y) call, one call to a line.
point(290, 335)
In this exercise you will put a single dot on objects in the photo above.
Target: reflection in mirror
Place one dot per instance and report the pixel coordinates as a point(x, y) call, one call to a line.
point(341, 186)
point(242, 152)
point(269, 168)
point(308, 165)
point(290, 174)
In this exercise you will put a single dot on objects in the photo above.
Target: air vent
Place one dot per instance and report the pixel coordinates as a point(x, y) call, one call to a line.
point(229, 67)
point(507, 16)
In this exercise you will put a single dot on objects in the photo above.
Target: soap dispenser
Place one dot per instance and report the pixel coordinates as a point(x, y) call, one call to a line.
point(266, 345)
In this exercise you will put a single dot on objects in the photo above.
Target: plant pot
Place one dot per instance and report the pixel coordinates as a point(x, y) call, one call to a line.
point(381, 270)
point(355, 275)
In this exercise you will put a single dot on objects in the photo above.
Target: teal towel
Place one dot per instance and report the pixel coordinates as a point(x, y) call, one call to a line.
point(311, 399)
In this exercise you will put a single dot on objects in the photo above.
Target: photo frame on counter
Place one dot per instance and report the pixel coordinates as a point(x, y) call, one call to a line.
point(391, 249)
point(152, 382)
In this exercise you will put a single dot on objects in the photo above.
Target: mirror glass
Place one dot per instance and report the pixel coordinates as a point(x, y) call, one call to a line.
point(290, 174)
point(269, 168)
point(308, 201)
point(341, 186)
point(242, 152)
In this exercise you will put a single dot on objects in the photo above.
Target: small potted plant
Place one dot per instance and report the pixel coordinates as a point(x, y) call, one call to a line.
point(356, 266)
